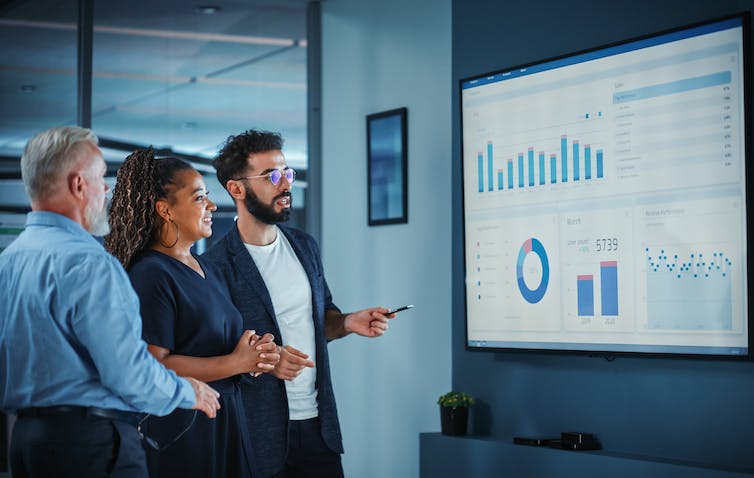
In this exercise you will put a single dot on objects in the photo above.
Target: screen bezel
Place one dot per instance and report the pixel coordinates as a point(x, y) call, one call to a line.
point(607, 352)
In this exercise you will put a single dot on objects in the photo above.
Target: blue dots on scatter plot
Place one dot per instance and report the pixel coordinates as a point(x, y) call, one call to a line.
point(697, 267)
point(675, 278)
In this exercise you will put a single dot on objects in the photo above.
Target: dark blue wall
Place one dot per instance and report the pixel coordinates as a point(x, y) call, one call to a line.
point(689, 409)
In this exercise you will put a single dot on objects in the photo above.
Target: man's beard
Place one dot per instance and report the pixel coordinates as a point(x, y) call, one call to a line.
point(266, 212)
point(97, 220)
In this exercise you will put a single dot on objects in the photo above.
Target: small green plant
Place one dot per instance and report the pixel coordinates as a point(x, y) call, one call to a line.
point(455, 399)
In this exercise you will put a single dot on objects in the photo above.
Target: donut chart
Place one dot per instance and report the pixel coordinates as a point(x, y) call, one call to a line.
point(532, 246)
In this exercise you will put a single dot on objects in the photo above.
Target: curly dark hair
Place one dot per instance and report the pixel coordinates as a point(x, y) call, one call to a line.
point(231, 160)
point(142, 180)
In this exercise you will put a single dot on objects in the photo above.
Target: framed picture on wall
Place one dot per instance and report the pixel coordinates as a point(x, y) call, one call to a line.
point(387, 168)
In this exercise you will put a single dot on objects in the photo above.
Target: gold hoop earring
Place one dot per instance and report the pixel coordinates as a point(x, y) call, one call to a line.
point(177, 234)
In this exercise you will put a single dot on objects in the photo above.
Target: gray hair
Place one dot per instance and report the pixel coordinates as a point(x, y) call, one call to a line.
point(49, 156)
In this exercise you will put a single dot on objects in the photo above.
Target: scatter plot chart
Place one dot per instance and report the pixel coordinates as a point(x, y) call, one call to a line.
point(688, 291)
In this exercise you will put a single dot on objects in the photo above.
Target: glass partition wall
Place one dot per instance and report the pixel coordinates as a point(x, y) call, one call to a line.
point(37, 83)
point(178, 76)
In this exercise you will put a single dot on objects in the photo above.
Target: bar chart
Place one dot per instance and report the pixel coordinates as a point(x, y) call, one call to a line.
point(538, 167)
point(608, 291)
point(585, 294)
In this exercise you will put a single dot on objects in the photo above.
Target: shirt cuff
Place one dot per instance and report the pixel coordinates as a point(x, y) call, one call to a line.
point(188, 398)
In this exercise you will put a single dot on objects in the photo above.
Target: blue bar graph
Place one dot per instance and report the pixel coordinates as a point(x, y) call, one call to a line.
point(599, 163)
point(609, 287)
point(581, 165)
point(530, 157)
point(564, 157)
point(575, 159)
point(490, 186)
point(520, 170)
point(480, 162)
point(587, 161)
point(553, 172)
point(541, 167)
point(585, 294)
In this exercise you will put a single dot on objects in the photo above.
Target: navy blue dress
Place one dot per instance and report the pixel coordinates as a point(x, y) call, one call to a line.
point(193, 315)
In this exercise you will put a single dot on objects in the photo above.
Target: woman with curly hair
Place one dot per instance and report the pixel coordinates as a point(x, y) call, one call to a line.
point(159, 210)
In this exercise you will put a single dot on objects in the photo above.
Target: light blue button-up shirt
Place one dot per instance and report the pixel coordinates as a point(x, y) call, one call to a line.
point(70, 330)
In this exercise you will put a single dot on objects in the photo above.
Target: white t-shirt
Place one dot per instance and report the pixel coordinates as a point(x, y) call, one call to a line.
point(291, 296)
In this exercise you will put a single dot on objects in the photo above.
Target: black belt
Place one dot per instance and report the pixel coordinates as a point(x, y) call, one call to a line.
point(131, 418)
point(306, 420)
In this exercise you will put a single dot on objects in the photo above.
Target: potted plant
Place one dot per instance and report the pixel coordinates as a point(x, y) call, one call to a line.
point(454, 412)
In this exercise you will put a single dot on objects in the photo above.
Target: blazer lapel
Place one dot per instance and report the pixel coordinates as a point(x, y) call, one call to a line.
point(245, 264)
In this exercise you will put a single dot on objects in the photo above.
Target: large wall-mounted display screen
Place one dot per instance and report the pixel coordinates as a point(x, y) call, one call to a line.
point(604, 196)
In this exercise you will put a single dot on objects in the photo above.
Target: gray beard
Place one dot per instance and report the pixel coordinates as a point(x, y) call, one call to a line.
point(97, 221)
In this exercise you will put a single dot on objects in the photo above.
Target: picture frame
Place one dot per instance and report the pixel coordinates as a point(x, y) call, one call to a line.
point(387, 167)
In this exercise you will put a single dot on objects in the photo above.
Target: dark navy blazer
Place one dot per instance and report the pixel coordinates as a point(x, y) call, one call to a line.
point(264, 397)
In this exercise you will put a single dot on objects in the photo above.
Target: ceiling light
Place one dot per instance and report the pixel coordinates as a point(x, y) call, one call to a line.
point(207, 9)
point(28, 88)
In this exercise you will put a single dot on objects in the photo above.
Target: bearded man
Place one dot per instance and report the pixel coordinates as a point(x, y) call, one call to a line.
point(277, 281)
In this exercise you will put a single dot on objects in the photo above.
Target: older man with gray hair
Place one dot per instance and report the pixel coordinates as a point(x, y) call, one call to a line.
point(74, 367)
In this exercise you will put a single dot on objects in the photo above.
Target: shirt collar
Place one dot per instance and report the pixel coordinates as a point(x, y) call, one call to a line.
point(53, 219)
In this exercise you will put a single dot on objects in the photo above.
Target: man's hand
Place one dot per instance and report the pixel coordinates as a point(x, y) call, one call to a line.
point(292, 362)
point(254, 354)
point(370, 322)
point(206, 397)
point(268, 353)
